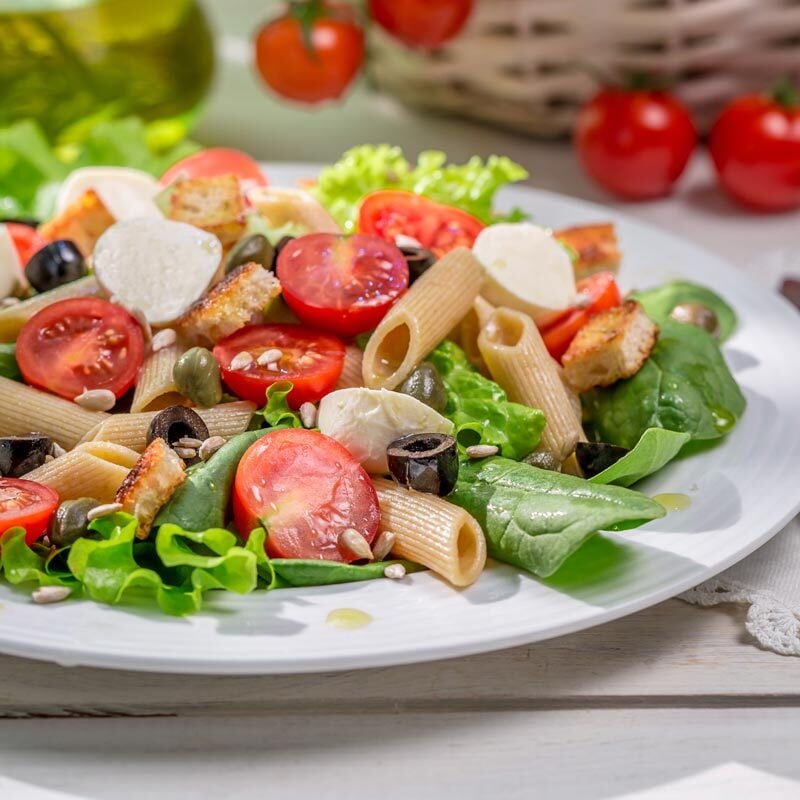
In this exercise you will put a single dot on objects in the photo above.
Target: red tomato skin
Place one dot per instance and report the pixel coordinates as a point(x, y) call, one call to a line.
point(635, 144)
point(35, 520)
point(44, 366)
point(310, 469)
point(755, 146)
point(213, 162)
point(324, 297)
point(27, 241)
point(289, 69)
point(421, 23)
point(309, 385)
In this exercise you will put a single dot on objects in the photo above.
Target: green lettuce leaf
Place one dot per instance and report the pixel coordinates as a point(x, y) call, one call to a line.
point(480, 409)
point(8, 362)
point(20, 564)
point(299, 572)
point(535, 518)
point(277, 413)
point(367, 168)
point(655, 449)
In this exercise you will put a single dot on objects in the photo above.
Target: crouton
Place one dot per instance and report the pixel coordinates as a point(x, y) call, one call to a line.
point(214, 204)
point(150, 484)
point(611, 346)
point(82, 222)
point(595, 247)
point(237, 300)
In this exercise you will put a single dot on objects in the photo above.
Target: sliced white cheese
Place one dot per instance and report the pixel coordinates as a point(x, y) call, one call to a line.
point(157, 265)
point(126, 193)
point(11, 274)
point(367, 421)
point(526, 269)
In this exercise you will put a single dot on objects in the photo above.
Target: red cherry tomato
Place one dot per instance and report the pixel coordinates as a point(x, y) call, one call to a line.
point(755, 144)
point(311, 360)
point(26, 504)
point(636, 144)
point(602, 293)
point(438, 227)
point(305, 489)
point(321, 71)
point(421, 23)
point(214, 162)
point(344, 284)
point(81, 343)
point(26, 240)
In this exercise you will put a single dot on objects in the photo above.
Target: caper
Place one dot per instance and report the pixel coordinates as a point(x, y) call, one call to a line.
point(427, 386)
point(543, 459)
point(196, 375)
point(699, 315)
point(71, 521)
point(252, 248)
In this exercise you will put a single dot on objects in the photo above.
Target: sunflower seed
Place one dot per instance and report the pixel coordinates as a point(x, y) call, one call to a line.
point(96, 399)
point(241, 360)
point(56, 450)
point(7, 302)
point(103, 510)
point(162, 339)
point(50, 594)
point(395, 572)
point(308, 415)
point(273, 367)
point(401, 240)
point(188, 441)
point(186, 453)
point(482, 450)
point(383, 545)
point(353, 541)
point(210, 446)
point(269, 357)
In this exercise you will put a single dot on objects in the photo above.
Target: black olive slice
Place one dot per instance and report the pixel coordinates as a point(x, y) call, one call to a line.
point(54, 265)
point(21, 454)
point(427, 462)
point(176, 423)
point(594, 457)
point(419, 260)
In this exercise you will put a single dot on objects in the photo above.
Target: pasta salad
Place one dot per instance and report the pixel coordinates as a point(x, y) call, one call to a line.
point(209, 382)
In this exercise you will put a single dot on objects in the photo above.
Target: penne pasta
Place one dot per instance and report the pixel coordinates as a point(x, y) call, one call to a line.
point(518, 360)
point(27, 410)
point(130, 430)
point(424, 316)
point(94, 469)
point(470, 328)
point(14, 317)
point(155, 387)
point(432, 532)
point(351, 372)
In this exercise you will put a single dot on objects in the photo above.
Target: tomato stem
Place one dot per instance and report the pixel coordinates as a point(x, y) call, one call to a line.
point(307, 12)
point(785, 93)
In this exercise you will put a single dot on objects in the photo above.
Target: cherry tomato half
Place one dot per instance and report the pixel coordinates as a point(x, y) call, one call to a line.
point(344, 284)
point(26, 240)
point(601, 293)
point(214, 162)
point(26, 504)
point(755, 144)
point(305, 489)
point(389, 213)
point(421, 23)
point(636, 144)
point(311, 360)
point(81, 343)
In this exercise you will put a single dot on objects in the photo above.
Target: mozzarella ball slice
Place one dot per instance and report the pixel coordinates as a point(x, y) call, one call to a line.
point(11, 274)
point(126, 193)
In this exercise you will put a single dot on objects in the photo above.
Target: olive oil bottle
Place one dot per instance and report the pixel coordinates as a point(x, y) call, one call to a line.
point(72, 63)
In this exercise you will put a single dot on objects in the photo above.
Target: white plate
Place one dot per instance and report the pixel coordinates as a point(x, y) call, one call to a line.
point(742, 492)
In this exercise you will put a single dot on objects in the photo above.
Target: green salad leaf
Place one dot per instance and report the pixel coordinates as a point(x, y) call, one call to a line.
point(535, 518)
point(277, 413)
point(20, 564)
point(8, 362)
point(655, 449)
point(480, 409)
point(659, 302)
point(684, 386)
point(367, 168)
point(299, 572)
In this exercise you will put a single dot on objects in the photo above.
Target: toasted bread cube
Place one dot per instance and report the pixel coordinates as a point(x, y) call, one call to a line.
point(150, 484)
point(611, 346)
point(237, 300)
point(214, 204)
point(82, 222)
point(595, 246)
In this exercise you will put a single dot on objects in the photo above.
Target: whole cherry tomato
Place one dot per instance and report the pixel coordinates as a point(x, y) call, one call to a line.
point(421, 23)
point(635, 143)
point(755, 144)
point(312, 52)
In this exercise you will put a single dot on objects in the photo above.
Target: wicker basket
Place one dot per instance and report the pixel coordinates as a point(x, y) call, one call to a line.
point(522, 64)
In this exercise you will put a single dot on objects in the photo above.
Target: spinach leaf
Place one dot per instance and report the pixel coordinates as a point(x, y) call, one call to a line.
point(480, 409)
point(685, 386)
point(201, 501)
point(535, 518)
point(656, 448)
point(659, 302)
point(8, 362)
point(300, 572)
point(276, 412)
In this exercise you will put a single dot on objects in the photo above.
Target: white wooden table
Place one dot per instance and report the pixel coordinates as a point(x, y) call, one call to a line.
point(670, 691)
